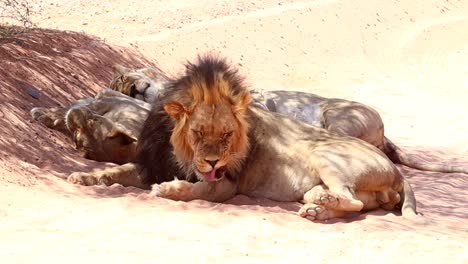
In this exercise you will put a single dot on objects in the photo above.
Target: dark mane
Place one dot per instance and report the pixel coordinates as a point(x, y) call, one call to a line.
point(206, 73)
point(154, 150)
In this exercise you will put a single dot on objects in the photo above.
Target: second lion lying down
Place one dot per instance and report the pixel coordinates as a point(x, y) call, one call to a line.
point(205, 128)
point(104, 128)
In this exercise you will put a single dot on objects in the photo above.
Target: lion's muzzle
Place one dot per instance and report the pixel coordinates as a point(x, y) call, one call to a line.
point(214, 175)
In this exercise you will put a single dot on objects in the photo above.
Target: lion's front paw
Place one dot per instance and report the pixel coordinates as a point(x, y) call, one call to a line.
point(83, 178)
point(37, 112)
point(47, 117)
point(175, 190)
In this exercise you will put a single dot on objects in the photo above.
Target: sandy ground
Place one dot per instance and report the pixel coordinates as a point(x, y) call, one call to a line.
point(408, 59)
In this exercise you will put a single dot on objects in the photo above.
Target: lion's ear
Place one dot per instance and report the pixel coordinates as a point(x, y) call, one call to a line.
point(125, 136)
point(119, 70)
point(241, 102)
point(175, 110)
point(77, 118)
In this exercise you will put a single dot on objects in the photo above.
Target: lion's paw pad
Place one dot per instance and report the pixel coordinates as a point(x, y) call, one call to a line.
point(314, 212)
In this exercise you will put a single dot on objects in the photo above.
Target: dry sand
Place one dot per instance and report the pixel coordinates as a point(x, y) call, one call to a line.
point(408, 59)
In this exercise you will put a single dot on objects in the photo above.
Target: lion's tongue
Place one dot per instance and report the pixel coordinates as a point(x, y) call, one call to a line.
point(210, 176)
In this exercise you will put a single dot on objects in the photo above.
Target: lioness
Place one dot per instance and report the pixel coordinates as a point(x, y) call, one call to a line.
point(347, 118)
point(144, 84)
point(104, 128)
point(234, 147)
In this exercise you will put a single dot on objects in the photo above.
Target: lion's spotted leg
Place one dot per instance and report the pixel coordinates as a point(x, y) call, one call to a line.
point(218, 191)
point(128, 174)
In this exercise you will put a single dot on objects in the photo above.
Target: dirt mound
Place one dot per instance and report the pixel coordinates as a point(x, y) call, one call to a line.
point(50, 68)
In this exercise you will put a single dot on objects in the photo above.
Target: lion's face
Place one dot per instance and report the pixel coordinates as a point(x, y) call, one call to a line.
point(209, 139)
point(99, 138)
point(209, 106)
point(210, 133)
point(134, 84)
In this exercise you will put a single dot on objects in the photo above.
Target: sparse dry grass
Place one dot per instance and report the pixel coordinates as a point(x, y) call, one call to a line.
point(15, 17)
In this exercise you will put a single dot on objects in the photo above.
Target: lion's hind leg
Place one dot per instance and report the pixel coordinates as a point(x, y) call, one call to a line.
point(320, 203)
point(346, 199)
point(341, 199)
point(386, 199)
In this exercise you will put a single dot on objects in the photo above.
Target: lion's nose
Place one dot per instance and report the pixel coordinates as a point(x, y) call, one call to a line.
point(212, 162)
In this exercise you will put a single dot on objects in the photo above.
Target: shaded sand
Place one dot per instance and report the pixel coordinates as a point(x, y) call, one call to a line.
point(408, 59)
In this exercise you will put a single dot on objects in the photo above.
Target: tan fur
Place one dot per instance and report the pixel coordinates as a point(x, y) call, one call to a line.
point(287, 161)
point(104, 128)
point(127, 174)
point(143, 84)
point(265, 154)
point(345, 118)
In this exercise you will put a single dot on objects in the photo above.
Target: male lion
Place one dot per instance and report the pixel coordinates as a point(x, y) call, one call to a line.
point(144, 84)
point(234, 147)
point(341, 116)
point(105, 128)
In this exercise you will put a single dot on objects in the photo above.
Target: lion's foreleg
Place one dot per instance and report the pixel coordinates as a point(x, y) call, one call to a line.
point(218, 191)
point(128, 174)
point(51, 117)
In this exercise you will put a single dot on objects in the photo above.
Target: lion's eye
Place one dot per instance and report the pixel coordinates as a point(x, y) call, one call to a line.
point(227, 135)
point(197, 132)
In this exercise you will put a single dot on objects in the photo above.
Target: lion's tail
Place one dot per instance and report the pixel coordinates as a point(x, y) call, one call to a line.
point(408, 206)
point(397, 155)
